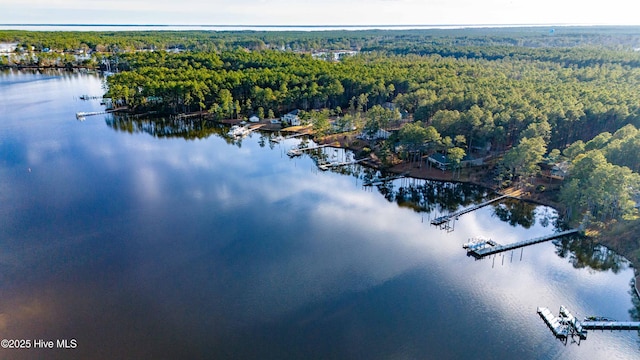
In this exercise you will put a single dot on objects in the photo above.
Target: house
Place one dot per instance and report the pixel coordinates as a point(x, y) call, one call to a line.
point(560, 170)
point(439, 160)
point(254, 119)
point(292, 118)
point(442, 161)
point(380, 134)
point(340, 125)
point(8, 48)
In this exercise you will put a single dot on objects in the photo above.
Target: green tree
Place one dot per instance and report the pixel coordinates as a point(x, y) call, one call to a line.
point(225, 99)
point(522, 160)
point(320, 122)
point(455, 155)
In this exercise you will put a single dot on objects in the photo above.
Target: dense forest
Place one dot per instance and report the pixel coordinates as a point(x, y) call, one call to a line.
point(532, 96)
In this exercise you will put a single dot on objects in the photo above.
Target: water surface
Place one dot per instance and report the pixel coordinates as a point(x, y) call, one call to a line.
point(143, 245)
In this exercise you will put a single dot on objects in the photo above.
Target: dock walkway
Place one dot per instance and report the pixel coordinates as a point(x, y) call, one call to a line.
point(566, 324)
point(379, 181)
point(299, 151)
point(82, 115)
point(490, 250)
point(610, 325)
point(327, 166)
point(443, 219)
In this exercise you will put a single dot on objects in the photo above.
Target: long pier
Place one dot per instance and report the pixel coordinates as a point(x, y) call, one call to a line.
point(481, 252)
point(443, 219)
point(82, 115)
point(566, 324)
point(383, 180)
point(89, 97)
point(299, 151)
point(610, 325)
point(338, 164)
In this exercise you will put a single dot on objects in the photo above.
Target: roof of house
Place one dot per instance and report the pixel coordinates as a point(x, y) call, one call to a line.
point(441, 158)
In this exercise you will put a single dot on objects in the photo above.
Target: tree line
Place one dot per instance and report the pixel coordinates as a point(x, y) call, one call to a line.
point(532, 94)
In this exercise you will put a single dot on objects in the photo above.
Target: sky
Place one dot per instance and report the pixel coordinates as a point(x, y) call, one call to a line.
point(319, 12)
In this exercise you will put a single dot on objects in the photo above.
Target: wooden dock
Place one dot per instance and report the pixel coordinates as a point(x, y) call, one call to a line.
point(381, 181)
point(82, 115)
point(490, 250)
point(554, 323)
point(446, 218)
point(299, 151)
point(566, 324)
point(89, 97)
point(610, 325)
point(330, 165)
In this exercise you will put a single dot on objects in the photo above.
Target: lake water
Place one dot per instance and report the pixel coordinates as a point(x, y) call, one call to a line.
point(151, 240)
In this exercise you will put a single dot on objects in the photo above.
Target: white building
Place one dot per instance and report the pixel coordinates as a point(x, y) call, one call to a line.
point(7, 48)
point(292, 118)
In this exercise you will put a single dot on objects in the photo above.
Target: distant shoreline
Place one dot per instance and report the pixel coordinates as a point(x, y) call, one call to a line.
point(259, 27)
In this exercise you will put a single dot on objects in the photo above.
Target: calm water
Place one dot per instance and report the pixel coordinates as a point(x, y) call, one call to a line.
point(156, 246)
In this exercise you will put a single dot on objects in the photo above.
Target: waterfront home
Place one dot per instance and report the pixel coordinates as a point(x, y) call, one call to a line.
point(8, 47)
point(439, 160)
point(254, 119)
point(442, 161)
point(560, 170)
point(292, 118)
point(378, 135)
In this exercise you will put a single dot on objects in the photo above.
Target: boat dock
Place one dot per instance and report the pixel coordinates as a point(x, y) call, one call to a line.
point(555, 324)
point(477, 244)
point(446, 218)
point(82, 115)
point(610, 325)
point(89, 97)
point(299, 151)
point(481, 252)
point(328, 166)
point(566, 324)
point(381, 181)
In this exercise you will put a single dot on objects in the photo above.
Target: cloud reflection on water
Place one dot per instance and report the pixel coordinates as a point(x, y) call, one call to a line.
point(204, 238)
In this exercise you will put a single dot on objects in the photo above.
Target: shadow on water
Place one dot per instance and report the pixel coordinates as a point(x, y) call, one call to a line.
point(583, 252)
point(427, 195)
point(188, 129)
point(516, 212)
point(422, 196)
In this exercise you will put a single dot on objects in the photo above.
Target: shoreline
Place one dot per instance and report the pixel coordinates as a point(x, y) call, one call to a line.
point(478, 176)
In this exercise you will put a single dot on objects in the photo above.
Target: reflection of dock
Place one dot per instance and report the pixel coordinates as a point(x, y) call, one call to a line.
point(494, 249)
point(443, 219)
point(566, 324)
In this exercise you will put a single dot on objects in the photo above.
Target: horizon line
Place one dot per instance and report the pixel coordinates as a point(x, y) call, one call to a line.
point(325, 25)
